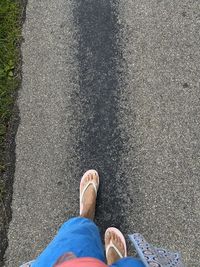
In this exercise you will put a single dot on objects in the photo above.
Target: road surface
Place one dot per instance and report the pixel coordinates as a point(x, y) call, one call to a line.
point(110, 85)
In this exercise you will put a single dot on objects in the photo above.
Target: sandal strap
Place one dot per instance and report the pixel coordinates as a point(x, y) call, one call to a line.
point(86, 187)
point(111, 245)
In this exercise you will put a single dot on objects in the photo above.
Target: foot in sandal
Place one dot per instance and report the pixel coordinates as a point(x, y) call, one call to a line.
point(88, 192)
point(115, 245)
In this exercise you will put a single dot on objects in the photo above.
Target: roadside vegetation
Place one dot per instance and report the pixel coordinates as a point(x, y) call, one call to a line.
point(11, 17)
point(10, 35)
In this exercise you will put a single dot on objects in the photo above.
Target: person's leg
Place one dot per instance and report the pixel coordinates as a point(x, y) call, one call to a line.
point(78, 235)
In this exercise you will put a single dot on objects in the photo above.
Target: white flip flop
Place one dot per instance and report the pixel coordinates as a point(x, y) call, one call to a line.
point(111, 245)
point(95, 185)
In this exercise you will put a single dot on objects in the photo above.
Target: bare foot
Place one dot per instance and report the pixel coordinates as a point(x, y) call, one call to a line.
point(112, 255)
point(89, 197)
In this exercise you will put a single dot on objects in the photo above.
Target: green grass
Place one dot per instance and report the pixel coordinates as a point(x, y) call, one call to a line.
point(10, 34)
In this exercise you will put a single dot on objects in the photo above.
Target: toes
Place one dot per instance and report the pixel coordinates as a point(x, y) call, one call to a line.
point(120, 244)
point(91, 177)
point(112, 236)
point(116, 241)
point(107, 238)
point(115, 237)
point(87, 178)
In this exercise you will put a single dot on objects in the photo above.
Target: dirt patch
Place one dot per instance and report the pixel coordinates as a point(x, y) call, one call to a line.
point(8, 177)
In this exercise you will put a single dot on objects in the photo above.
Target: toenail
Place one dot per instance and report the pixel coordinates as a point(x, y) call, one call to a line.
point(108, 234)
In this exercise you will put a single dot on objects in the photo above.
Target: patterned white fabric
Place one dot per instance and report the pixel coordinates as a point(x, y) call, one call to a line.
point(28, 264)
point(152, 256)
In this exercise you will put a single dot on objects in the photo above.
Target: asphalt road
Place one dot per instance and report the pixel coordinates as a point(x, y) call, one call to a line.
point(110, 85)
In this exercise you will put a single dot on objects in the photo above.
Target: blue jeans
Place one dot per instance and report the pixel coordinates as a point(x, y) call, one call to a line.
point(80, 236)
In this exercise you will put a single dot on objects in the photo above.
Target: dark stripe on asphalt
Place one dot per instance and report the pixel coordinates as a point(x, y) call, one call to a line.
point(100, 142)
